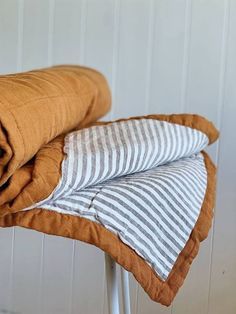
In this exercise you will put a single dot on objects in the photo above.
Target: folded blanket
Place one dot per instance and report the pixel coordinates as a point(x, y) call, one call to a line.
point(37, 106)
point(142, 189)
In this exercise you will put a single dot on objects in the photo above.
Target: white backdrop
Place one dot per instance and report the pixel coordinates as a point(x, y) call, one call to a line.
point(160, 56)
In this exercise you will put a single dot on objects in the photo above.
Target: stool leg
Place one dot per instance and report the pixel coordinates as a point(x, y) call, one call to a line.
point(112, 285)
point(125, 291)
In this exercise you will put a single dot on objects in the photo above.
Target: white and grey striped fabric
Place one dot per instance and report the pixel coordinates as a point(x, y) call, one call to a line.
point(144, 180)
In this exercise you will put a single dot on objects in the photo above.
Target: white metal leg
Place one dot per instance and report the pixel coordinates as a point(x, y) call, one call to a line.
point(125, 291)
point(112, 285)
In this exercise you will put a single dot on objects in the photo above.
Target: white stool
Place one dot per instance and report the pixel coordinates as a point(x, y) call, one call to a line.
point(112, 287)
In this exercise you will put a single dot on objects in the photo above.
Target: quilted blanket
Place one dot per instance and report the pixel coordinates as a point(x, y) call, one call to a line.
point(142, 189)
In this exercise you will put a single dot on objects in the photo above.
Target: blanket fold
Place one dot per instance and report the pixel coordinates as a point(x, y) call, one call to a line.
point(142, 189)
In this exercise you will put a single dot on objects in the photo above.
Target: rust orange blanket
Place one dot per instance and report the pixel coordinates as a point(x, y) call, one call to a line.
point(142, 189)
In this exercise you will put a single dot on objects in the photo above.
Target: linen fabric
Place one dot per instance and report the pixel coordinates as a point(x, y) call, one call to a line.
point(141, 189)
point(112, 175)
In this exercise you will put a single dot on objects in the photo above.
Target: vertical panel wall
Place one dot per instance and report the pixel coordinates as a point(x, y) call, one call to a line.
point(160, 56)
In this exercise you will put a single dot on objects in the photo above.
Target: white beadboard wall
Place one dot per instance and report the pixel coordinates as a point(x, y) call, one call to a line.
point(160, 56)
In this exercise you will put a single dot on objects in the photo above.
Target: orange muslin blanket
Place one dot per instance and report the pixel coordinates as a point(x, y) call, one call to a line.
point(142, 189)
point(37, 106)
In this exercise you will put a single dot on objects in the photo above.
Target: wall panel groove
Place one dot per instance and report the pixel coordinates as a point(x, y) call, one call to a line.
point(187, 41)
point(221, 100)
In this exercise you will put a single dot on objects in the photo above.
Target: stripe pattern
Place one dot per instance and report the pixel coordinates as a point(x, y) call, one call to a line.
point(144, 180)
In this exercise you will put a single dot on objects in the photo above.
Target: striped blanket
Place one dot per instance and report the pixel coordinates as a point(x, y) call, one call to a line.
point(143, 179)
point(142, 189)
